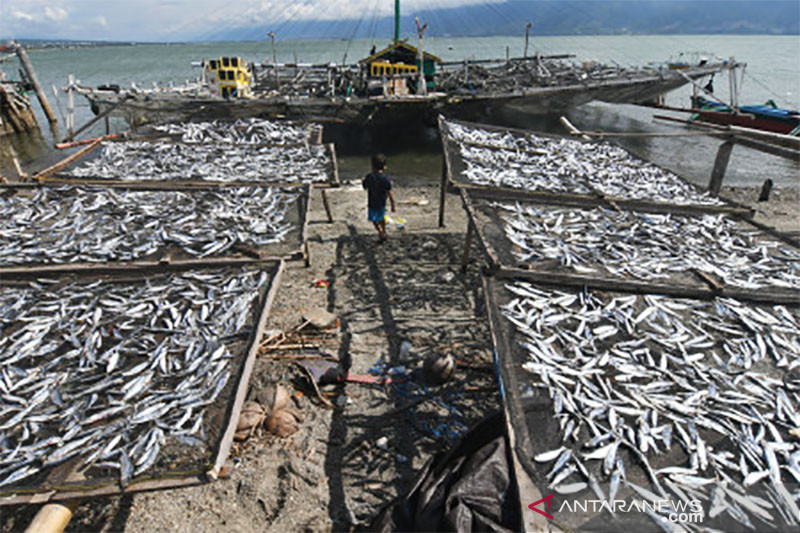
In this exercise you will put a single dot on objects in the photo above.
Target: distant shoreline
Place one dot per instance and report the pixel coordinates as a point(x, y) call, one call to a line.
point(40, 44)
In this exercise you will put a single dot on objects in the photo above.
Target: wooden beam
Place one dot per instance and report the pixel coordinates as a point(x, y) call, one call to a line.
point(244, 377)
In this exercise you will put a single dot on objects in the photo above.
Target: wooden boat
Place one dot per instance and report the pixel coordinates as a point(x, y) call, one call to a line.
point(767, 117)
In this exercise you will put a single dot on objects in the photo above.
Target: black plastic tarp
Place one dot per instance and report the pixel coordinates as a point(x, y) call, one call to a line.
point(470, 488)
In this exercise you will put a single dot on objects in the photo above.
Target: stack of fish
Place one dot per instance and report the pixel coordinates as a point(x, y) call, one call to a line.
point(241, 131)
point(115, 372)
point(564, 165)
point(134, 160)
point(69, 224)
point(648, 246)
point(633, 377)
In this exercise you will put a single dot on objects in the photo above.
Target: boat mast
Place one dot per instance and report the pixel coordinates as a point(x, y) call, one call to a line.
point(396, 20)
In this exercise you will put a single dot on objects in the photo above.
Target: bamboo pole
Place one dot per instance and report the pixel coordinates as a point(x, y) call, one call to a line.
point(26, 64)
point(572, 129)
point(53, 517)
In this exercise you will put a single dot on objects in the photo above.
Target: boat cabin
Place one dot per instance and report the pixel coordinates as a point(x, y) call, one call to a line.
point(228, 77)
point(398, 66)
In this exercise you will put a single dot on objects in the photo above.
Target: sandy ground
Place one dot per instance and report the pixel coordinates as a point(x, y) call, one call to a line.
point(333, 474)
point(781, 211)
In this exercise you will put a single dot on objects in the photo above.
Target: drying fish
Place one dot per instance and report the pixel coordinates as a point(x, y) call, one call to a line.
point(674, 371)
point(650, 246)
point(173, 362)
point(137, 160)
point(535, 162)
point(70, 224)
point(241, 131)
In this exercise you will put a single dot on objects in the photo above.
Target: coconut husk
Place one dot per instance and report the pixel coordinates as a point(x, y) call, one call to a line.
point(284, 422)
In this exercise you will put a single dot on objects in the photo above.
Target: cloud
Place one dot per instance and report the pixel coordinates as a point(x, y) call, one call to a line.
point(55, 13)
point(184, 19)
point(20, 15)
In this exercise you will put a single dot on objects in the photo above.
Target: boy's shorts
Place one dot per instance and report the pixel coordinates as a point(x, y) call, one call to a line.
point(376, 215)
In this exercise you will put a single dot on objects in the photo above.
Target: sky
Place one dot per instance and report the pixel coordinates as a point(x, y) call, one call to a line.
point(177, 20)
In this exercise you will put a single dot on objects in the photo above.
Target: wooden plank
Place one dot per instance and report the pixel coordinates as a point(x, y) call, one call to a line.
point(768, 296)
point(66, 161)
point(244, 379)
point(162, 185)
point(10, 273)
point(581, 200)
point(106, 488)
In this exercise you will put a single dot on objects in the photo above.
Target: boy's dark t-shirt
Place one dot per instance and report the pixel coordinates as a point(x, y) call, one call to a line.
point(378, 186)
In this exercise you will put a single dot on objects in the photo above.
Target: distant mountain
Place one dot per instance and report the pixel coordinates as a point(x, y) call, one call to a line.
point(556, 17)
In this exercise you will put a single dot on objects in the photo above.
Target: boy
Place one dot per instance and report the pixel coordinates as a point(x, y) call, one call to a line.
point(378, 186)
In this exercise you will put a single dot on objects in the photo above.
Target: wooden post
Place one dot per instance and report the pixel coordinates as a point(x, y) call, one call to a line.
point(467, 245)
point(327, 206)
point(765, 190)
point(26, 64)
point(275, 61)
point(527, 36)
point(443, 187)
point(70, 108)
point(720, 166)
point(423, 87)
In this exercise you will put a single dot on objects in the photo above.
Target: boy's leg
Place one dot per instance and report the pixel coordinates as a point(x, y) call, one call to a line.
point(382, 229)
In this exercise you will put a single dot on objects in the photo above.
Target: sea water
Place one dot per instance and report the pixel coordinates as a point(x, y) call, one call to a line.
point(771, 73)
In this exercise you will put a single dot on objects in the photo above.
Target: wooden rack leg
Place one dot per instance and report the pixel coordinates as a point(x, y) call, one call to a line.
point(720, 166)
point(467, 246)
point(442, 190)
point(327, 205)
